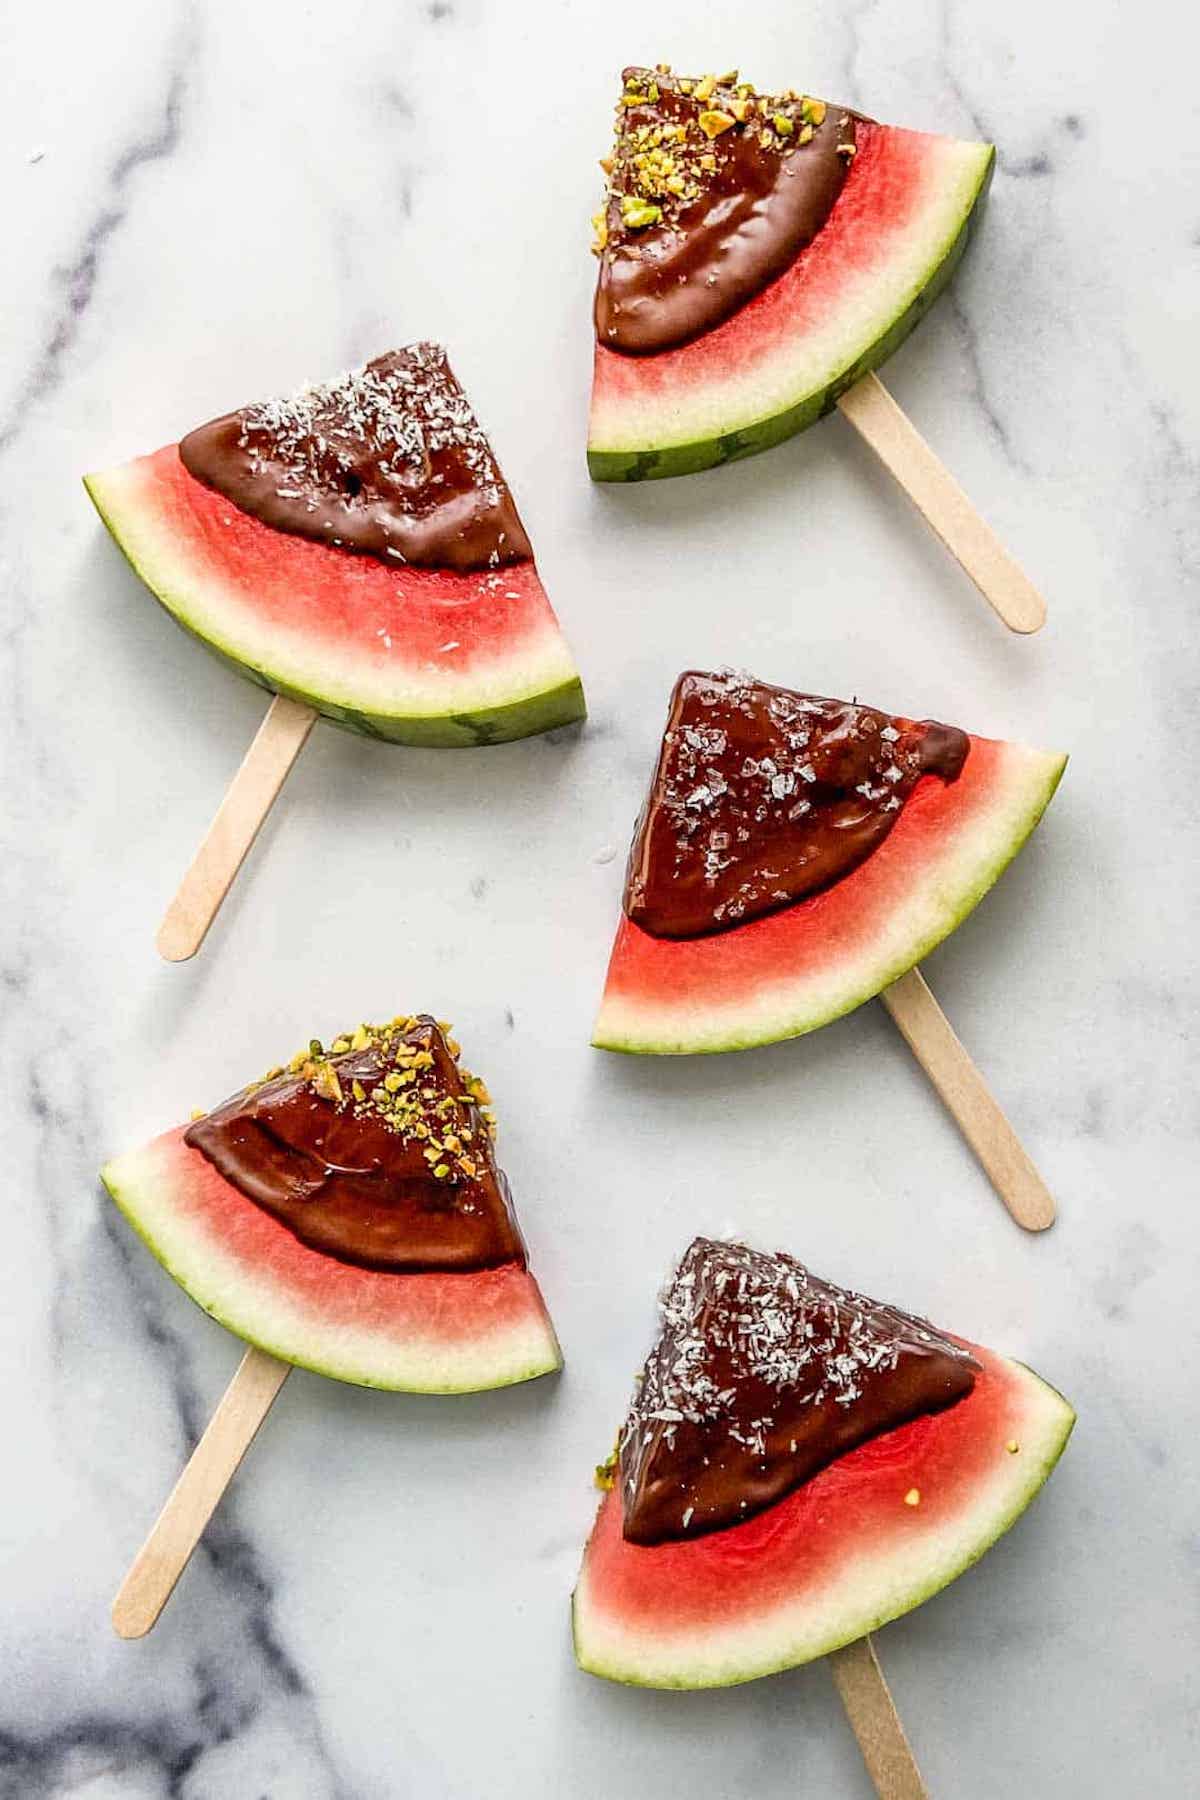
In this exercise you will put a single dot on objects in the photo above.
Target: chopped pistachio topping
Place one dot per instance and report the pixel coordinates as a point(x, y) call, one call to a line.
point(606, 1472)
point(326, 1082)
point(638, 213)
point(671, 137)
point(452, 1129)
point(712, 124)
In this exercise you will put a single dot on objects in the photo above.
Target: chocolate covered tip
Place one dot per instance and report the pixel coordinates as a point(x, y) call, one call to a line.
point(762, 1375)
point(763, 795)
point(713, 191)
point(387, 461)
point(375, 1151)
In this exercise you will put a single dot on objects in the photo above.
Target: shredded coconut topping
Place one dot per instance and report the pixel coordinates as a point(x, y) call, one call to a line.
point(739, 1324)
point(396, 414)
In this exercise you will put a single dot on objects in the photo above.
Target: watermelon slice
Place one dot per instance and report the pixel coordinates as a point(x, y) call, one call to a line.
point(447, 657)
point(786, 973)
point(838, 1558)
point(439, 1331)
point(846, 301)
point(877, 1531)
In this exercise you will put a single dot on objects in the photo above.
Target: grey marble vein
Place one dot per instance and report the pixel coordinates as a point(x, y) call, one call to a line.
point(75, 282)
point(984, 405)
point(246, 1680)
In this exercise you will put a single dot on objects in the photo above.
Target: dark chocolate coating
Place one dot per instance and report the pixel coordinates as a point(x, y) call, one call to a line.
point(763, 1375)
point(762, 795)
point(351, 1186)
point(663, 285)
point(389, 462)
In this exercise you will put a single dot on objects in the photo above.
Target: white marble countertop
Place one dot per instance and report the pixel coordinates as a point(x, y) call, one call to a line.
point(209, 203)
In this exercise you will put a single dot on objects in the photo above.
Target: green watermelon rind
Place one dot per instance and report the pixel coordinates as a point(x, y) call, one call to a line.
point(529, 711)
point(944, 906)
point(656, 460)
point(137, 1188)
point(1057, 1418)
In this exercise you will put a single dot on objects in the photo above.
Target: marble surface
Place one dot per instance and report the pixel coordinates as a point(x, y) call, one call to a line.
point(207, 203)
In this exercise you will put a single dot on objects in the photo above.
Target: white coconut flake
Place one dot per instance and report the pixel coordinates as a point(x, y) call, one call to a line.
point(401, 409)
point(776, 1331)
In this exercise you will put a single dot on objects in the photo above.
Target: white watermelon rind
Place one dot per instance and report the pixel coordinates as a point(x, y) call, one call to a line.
point(536, 689)
point(885, 1584)
point(752, 409)
point(261, 1313)
point(946, 887)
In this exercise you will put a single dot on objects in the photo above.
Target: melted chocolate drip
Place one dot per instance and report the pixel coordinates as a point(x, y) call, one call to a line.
point(388, 461)
point(764, 1374)
point(352, 1186)
point(762, 795)
point(736, 225)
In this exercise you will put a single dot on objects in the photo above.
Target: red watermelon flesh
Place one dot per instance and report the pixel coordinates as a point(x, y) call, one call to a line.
point(890, 244)
point(415, 655)
point(791, 971)
point(426, 1333)
point(870, 1537)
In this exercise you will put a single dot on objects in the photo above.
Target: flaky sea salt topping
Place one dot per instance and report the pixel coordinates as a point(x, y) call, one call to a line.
point(733, 1319)
point(763, 795)
point(779, 785)
point(399, 411)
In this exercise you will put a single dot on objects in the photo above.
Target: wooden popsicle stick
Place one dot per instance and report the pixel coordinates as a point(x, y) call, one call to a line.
point(876, 1723)
point(212, 1465)
point(277, 743)
point(932, 1040)
point(937, 496)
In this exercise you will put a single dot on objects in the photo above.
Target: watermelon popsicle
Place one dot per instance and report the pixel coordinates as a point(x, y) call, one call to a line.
point(798, 856)
point(800, 1465)
point(355, 550)
point(345, 1214)
point(760, 257)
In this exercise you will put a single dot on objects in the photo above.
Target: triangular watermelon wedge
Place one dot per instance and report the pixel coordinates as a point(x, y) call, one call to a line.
point(846, 301)
point(438, 1332)
point(794, 970)
point(417, 655)
point(877, 1531)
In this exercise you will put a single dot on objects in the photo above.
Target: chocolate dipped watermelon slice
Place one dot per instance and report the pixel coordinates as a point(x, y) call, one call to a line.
point(796, 856)
point(758, 255)
point(355, 547)
point(346, 1214)
point(800, 1465)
